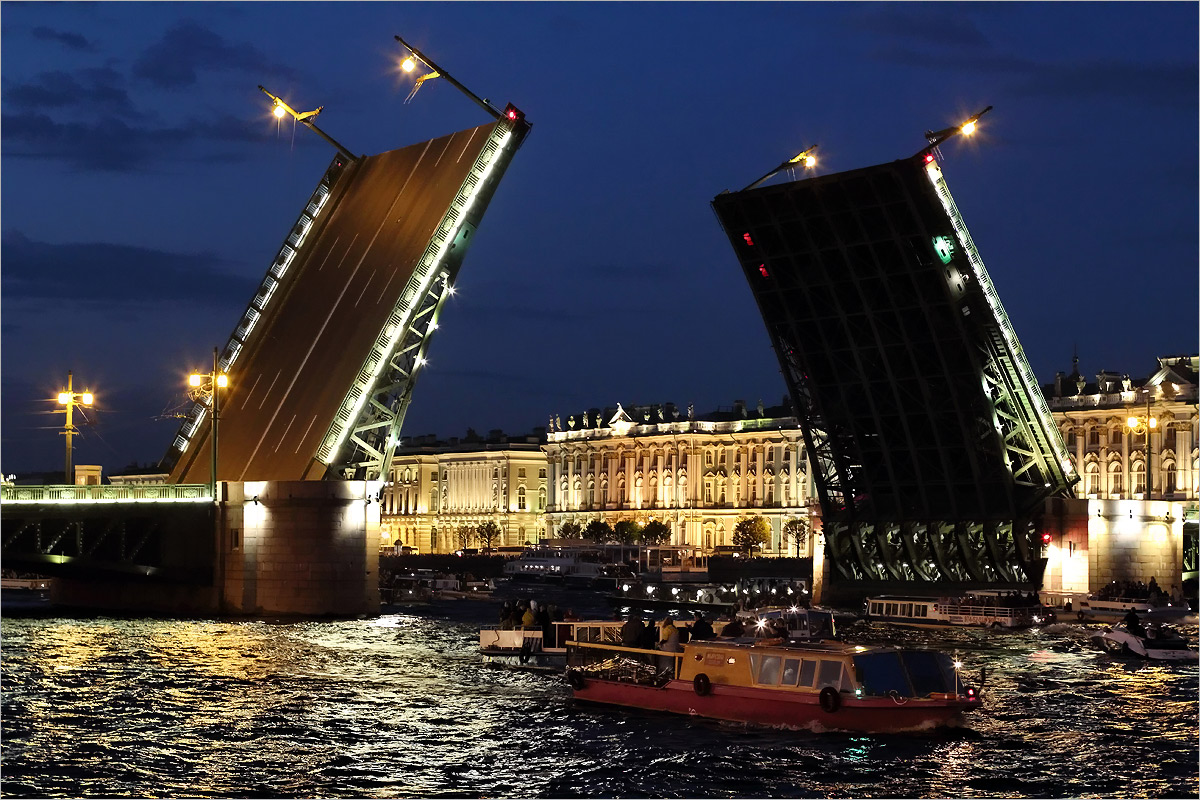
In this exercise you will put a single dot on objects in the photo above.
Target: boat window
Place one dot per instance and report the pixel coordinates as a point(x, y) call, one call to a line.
point(882, 673)
point(808, 669)
point(920, 610)
point(791, 671)
point(930, 672)
point(830, 674)
point(768, 670)
point(906, 609)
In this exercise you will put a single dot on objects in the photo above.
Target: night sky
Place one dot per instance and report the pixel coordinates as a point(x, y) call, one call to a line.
point(146, 188)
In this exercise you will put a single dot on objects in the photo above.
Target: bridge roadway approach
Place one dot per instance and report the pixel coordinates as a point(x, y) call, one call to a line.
point(291, 376)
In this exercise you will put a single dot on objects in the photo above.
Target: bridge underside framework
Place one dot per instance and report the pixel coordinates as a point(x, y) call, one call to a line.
point(933, 450)
point(323, 362)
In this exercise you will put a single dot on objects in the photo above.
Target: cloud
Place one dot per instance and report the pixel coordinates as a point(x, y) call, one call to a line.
point(110, 144)
point(101, 88)
point(943, 24)
point(109, 275)
point(189, 48)
point(73, 41)
point(1162, 84)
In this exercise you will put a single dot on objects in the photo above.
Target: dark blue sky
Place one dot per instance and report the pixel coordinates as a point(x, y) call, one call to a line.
point(145, 188)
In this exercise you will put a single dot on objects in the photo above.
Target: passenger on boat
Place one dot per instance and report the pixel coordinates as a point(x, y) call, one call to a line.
point(529, 618)
point(1134, 623)
point(668, 636)
point(701, 628)
point(733, 629)
point(545, 622)
point(570, 616)
point(631, 631)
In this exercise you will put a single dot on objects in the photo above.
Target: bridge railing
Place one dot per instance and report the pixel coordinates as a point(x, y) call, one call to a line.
point(134, 493)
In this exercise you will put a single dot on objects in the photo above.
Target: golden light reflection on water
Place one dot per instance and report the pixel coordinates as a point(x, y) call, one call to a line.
point(402, 706)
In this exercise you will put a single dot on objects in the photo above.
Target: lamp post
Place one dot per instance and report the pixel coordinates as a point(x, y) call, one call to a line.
point(1146, 425)
point(70, 398)
point(206, 385)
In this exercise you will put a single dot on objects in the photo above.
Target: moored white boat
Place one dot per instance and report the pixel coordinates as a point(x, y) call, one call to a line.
point(981, 609)
point(816, 686)
point(1153, 640)
point(1114, 608)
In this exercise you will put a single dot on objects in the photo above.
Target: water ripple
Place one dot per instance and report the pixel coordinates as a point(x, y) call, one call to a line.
point(401, 706)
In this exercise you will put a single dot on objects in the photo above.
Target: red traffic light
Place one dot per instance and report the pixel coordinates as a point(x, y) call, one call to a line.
point(1046, 538)
point(512, 112)
point(929, 158)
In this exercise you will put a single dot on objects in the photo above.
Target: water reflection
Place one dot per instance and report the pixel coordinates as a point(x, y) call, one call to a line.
point(402, 706)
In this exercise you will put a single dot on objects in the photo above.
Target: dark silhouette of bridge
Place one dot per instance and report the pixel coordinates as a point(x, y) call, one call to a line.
point(932, 447)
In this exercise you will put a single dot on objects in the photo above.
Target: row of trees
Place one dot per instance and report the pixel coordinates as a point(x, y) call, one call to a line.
point(749, 534)
point(624, 532)
point(753, 531)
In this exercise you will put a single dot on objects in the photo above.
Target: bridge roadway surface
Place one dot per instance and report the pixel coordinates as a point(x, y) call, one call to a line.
point(304, 354)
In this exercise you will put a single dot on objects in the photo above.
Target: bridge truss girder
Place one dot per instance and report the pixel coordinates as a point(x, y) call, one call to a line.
point(363, 436)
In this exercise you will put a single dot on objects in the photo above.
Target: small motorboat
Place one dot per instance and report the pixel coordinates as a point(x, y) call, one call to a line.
point(1154, 641)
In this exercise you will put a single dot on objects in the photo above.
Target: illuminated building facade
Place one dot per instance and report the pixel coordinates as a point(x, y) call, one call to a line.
point(438, 489)
point(696, 474)
point(1120, 532)
point(1108, 454)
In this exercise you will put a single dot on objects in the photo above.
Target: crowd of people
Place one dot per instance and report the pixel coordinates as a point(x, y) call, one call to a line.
point(1137, 590)
point(522, 613)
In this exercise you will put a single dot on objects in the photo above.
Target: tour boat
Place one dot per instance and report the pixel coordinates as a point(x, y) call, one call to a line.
point(573, 567)
point(1154, 641)
point(816, 686)
point(1114, 608)
point(986, 609)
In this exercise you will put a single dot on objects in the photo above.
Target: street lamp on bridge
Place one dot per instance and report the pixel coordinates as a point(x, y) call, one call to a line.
point(207, 385)
point(1145, 425)
point(70, 398)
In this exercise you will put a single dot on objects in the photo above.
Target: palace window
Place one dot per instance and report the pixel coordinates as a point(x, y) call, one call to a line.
point(1115, 478)
point(1169, 477)
point(1094, 437)
point(541, 473)
point(521, 498)
point(1139, 476)
point(1091, 479)
point(708, 491)
point(542, 499)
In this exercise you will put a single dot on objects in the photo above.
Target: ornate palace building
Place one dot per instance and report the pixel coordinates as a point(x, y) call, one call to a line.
point(1111, 455)
point(438, 490)
point(698, 474)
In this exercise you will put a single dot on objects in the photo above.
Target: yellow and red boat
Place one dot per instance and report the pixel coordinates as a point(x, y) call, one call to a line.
point(817, 686)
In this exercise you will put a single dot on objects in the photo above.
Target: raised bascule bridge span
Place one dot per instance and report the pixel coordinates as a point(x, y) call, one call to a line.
point(933, 450)
point(322, 363)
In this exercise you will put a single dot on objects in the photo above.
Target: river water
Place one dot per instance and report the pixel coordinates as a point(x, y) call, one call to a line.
point(401, 706)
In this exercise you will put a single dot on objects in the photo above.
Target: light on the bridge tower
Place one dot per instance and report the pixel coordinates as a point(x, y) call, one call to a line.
point(63, 398)
point(87, 398)
point(222, 380)
point(408, 64)
point(968, 128)
point(194, 380)
point(278, 111)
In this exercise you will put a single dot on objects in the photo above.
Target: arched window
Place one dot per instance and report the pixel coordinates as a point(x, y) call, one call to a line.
point(520, 498)
point(542, 499)
point(1114, 478)
point(1091, 479)
point(1169, 477)
point(1138, 473)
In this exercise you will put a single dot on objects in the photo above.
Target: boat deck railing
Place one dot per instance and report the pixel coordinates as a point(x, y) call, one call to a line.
point(624, 664)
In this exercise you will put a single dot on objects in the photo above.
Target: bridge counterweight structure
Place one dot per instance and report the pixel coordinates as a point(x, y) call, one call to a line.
point(351, 300)
point(932, 448)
